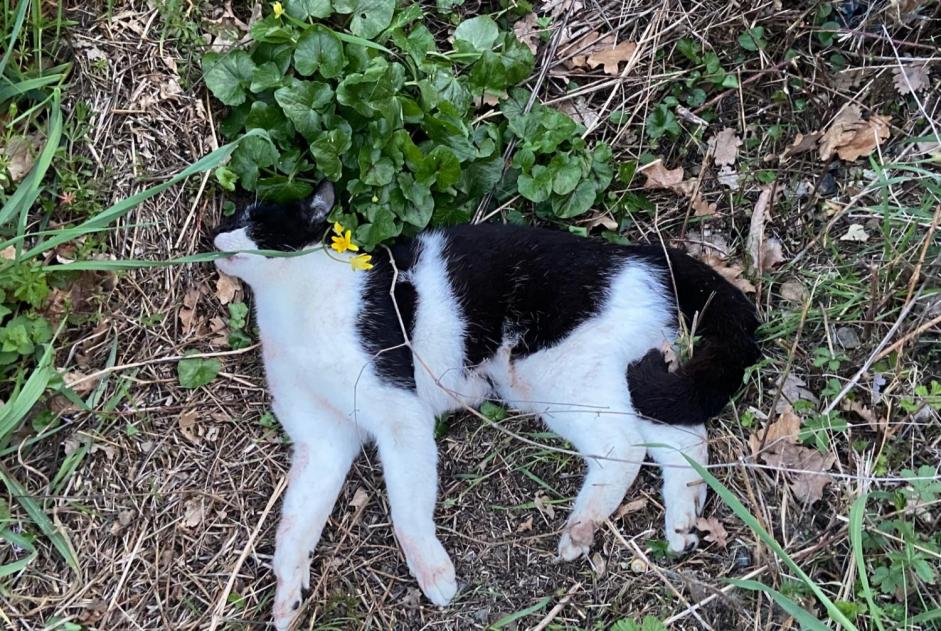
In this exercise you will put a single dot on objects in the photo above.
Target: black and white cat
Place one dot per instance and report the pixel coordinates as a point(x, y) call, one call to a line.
point(566, 328)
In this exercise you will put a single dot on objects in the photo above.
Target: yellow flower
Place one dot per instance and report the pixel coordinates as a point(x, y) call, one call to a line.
point(361, 261)
point(344, 241)
point(278, 9)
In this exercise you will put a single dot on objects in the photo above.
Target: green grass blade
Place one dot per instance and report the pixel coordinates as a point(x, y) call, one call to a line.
point(107, 216)
point(857, 511)
point(14, 34)
point(28, 190)
point(32, 508)
point(928, 616)
point(807, 620)
point(739, 509)
point(16, 409)
point(513, 617)
point(27, 85)
point(15, 539)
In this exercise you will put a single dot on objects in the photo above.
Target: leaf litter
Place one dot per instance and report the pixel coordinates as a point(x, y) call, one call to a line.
point(780, 448)
point(660, 177)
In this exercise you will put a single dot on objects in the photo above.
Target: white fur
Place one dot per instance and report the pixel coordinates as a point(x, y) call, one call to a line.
point(330, 402)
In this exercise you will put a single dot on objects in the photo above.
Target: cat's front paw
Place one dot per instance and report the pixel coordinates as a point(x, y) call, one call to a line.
point(576, 540)
point(432, 568)
point(293, 586)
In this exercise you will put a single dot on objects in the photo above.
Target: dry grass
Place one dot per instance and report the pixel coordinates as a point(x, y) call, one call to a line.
point(173, 520)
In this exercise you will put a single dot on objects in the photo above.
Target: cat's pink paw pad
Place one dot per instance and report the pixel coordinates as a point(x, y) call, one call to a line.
point(576, 540)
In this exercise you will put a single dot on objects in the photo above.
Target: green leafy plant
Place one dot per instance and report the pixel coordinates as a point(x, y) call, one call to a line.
point(753, 39)
point(194, 372)
point(238, 314)
point(374, 105)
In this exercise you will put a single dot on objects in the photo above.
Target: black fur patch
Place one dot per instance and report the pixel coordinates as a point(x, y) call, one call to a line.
point(528, 284)
point(378, 325)
point(285, 227)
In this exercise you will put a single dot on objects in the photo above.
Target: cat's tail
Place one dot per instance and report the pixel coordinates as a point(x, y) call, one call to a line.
point(724, 346)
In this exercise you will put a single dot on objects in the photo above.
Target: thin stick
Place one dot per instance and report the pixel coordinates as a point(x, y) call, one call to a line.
point(223, 598)
point(558, 608)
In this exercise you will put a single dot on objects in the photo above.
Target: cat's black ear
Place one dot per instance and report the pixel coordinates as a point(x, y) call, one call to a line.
point(319, 205)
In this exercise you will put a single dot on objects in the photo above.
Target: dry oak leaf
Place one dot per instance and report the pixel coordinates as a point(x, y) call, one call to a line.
point(793, 390)
point(194, 512)
point(851, 137)
point(20, 152)
point(527, 32)
point(658, 176)
point(802, 144)
point(724, 147)
point(808, 484)
point(785, 430)
point(764, 253)
point(911, 78)
point(714, 530)
point(611, 57)
point(226, 288)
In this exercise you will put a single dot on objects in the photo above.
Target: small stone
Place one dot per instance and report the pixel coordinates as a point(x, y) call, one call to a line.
point(847, 337)
point(793, 291)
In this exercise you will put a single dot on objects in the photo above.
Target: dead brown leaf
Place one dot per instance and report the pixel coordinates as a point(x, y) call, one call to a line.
point(715, 531)
point(807, 485)
point(526, 525)
point(602, 219)
point(793, 390)
point(802, 144)
point(544, 508)
point(527, 32)
point(226, 288)
point(756, 230)
point(631, 507)
point(609, 58)
point(793, 291)
point(911, 78)
point(79, 382)
point(784, 430)
point(851, 137)
point(866, 413)
point(360, 498)
point(658, 176)
point(194, 512)
point(772, 254)
point(187, 424)
point(724, 147)
point(20, 152)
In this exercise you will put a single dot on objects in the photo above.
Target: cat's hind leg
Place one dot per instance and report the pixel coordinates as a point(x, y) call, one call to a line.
point(321, 459)
point(613, 451)
point(684, 490)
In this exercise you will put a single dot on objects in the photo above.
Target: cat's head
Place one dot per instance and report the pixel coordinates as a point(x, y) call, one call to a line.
point(284, 227)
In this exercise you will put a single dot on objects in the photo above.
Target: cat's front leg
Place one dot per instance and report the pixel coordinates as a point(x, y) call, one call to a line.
point(409, 464)
point(321, 459)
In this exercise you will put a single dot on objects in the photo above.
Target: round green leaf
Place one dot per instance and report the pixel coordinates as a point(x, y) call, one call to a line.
point(300, 102)
point(370, 17)
point(480, 33)
point(537, 186)
point(303, 9)
point(319, 50)
point(228, 75)
point(578, 202)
